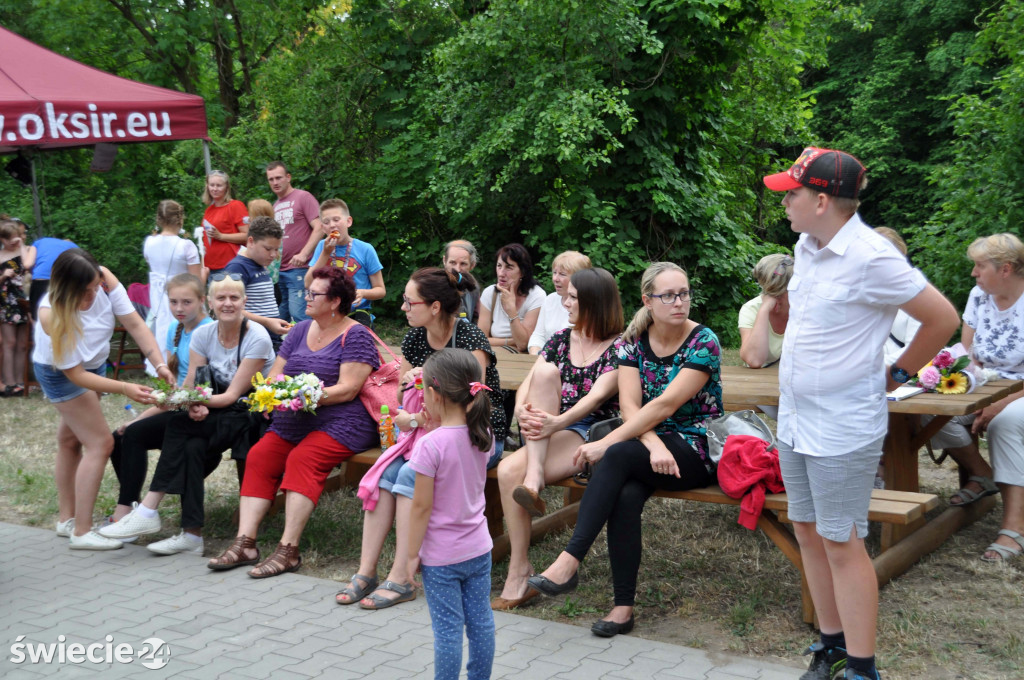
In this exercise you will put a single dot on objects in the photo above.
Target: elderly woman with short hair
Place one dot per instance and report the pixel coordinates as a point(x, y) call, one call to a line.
point(553, 314)
point(763, 319)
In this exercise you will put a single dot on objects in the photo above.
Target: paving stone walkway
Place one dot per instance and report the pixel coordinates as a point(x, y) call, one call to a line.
point(226, 625)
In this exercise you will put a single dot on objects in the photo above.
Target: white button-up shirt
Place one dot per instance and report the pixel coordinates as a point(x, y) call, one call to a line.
point(843, 298)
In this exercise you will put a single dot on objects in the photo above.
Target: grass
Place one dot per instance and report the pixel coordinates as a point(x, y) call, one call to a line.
point(704, 582)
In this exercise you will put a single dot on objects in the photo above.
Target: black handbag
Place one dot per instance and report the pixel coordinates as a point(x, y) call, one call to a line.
point(598, 430)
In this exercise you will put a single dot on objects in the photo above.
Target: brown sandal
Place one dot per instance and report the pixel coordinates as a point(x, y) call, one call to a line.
point(278, 562)
point(234, 556)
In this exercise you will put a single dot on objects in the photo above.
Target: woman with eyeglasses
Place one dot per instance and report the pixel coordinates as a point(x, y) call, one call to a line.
point(72, 343)
point(431, 302)
point(225, 222)
point(300, 449)
point(571, 387)
point(763, 319)
point(669, 390)
point(232, 351)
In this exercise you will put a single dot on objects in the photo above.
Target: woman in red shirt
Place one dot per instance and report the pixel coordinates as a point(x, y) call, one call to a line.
point(225, 222)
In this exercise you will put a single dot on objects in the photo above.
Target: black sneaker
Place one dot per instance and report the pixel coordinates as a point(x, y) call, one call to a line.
point(826, 664)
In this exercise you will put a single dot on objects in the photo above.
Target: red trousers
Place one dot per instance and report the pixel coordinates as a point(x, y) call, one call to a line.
point(274, 463)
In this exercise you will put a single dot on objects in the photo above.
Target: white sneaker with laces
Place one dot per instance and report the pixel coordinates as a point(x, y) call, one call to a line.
point(93, 541)
point(132, 524)
point(107, 521)
point(66, 528)
point(182, 543)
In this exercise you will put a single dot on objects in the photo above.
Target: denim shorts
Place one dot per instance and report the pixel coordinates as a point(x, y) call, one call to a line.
point(833, 492)
point(398, 478)
point(56, 386)
point(582, 427)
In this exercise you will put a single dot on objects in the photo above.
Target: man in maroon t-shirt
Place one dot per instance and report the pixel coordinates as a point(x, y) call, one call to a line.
point(298, 213)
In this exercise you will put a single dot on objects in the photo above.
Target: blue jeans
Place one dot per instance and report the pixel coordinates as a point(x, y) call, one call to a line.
point(460, 595)
point(293, 295)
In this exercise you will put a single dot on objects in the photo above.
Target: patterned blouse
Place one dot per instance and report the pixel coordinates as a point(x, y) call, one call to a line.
point(466, 335)
point(998, 334)
point(578, 381)
point(700, 351)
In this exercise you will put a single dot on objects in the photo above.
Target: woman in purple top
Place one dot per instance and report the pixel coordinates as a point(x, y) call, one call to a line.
point(571, 387)
point(300, 449)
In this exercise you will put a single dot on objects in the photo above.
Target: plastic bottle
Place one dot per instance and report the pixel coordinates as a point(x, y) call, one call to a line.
point(386, 429)
point(132, 413)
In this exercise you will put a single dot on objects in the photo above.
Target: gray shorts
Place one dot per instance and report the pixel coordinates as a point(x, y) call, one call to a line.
point(833, 492)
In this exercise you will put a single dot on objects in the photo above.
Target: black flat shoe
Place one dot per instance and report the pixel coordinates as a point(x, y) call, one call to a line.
point(548, 587)
point(602, 628)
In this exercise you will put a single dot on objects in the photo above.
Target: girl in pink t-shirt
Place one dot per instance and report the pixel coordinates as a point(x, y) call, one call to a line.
point(448, 532)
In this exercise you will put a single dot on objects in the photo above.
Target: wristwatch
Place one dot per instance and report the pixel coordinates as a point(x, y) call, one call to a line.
point(898, 374)
point(413, 423)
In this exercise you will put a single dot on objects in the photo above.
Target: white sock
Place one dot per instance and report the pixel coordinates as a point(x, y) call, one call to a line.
point(192, 537)
point(145, 513)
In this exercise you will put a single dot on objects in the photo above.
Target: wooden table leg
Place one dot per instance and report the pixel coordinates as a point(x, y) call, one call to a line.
point(901, 472)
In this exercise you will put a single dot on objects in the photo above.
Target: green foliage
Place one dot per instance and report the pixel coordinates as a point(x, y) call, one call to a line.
point(981, 188)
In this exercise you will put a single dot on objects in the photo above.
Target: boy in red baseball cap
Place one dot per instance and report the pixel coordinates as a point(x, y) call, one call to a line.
point(847, 285)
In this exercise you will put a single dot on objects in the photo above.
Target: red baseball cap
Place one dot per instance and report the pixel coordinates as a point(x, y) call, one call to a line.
point(831, 172)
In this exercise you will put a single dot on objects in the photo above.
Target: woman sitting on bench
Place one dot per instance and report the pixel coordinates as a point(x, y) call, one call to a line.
point(571, 387)
point(669, 389)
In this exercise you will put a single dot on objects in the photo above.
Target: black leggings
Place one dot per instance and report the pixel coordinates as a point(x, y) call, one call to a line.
point(130, 456)
point(191, 451)
point(618, 490)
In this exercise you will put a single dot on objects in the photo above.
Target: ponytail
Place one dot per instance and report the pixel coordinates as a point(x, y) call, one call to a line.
point(478, 419)
point(454, 373)
point(172, 361)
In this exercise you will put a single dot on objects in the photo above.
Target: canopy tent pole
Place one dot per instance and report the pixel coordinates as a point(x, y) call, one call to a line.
point(206, 157)
point(36, 209)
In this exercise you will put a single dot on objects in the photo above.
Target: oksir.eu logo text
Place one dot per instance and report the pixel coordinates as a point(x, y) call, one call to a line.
point(153, 653)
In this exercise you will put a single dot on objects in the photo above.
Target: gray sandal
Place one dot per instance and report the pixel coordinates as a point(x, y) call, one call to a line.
point(1001, 550)
point(355, 593)
point(988, 488)
point(406, 592)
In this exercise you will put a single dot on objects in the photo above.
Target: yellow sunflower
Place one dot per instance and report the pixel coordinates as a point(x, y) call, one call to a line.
point(955, 383)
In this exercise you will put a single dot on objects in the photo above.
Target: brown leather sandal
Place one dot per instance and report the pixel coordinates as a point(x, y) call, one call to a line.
point(234, 556)
point(279, 562)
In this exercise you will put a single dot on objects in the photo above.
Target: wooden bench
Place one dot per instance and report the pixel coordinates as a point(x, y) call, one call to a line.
point(901, 508)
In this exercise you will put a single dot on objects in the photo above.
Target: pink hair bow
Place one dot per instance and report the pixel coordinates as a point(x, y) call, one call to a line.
point(475, 387)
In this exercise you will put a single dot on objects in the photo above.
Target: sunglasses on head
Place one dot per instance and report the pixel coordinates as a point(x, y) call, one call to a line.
point(220, 276)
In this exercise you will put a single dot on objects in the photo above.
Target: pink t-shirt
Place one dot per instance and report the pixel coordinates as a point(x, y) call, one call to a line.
point(295, 213)
point(457, 530)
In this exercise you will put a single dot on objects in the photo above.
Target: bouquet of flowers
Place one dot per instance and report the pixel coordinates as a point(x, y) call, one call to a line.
point(946, 374)
point(180, 398)
point(283, 393)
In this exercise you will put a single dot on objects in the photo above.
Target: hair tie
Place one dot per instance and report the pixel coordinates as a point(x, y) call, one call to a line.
point(475, 387)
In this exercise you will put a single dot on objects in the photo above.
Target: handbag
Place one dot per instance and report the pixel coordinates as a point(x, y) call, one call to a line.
point(739, 422)
point(598, 430)
point(381, 386)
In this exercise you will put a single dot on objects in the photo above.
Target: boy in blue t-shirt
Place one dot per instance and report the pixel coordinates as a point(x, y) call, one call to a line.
point(339, 249)
point(261, 247)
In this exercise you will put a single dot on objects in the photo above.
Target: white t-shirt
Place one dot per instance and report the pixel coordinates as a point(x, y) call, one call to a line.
point(501, 326)
point(553, 318)
point(93, 347)
point(167, 257)
point(998, 334)
point(843, 299)
point(224, 361)
point(748, 314)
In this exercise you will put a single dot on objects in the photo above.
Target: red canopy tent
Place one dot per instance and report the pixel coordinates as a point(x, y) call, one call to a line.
point(48, 102)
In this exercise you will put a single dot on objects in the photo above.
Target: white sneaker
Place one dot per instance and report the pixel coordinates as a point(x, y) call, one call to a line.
point(93, 541)
point(107, 521)
point(182, 543)
point(132, 524)
point(66, 528)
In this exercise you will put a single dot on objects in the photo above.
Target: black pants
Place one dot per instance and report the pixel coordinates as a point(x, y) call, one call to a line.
point(616, 494)
point(191, 451)
point(130, 457)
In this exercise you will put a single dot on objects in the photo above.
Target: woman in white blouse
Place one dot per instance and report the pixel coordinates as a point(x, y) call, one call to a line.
point(553, 315)
point(72, 342)
point(509, 309)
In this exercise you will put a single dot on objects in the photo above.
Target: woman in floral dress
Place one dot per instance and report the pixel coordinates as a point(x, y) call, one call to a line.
point(15, 260)
point(670, 388)
point(571, 387)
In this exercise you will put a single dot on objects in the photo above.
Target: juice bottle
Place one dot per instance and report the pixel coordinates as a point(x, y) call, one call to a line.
point(386, 429)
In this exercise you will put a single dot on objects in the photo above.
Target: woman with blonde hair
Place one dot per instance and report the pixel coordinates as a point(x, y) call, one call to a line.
point(669, 391)
point(72, 343)
point(225, 222)
point(763, 319)
point(553, 313)
point(167, 255)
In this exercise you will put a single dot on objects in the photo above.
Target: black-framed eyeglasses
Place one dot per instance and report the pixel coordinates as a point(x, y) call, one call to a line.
point(220, 276)
point(670, 298)
point(310, 295)
point(412, 303)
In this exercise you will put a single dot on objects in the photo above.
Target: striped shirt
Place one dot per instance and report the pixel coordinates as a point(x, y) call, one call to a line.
point(259, 288)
